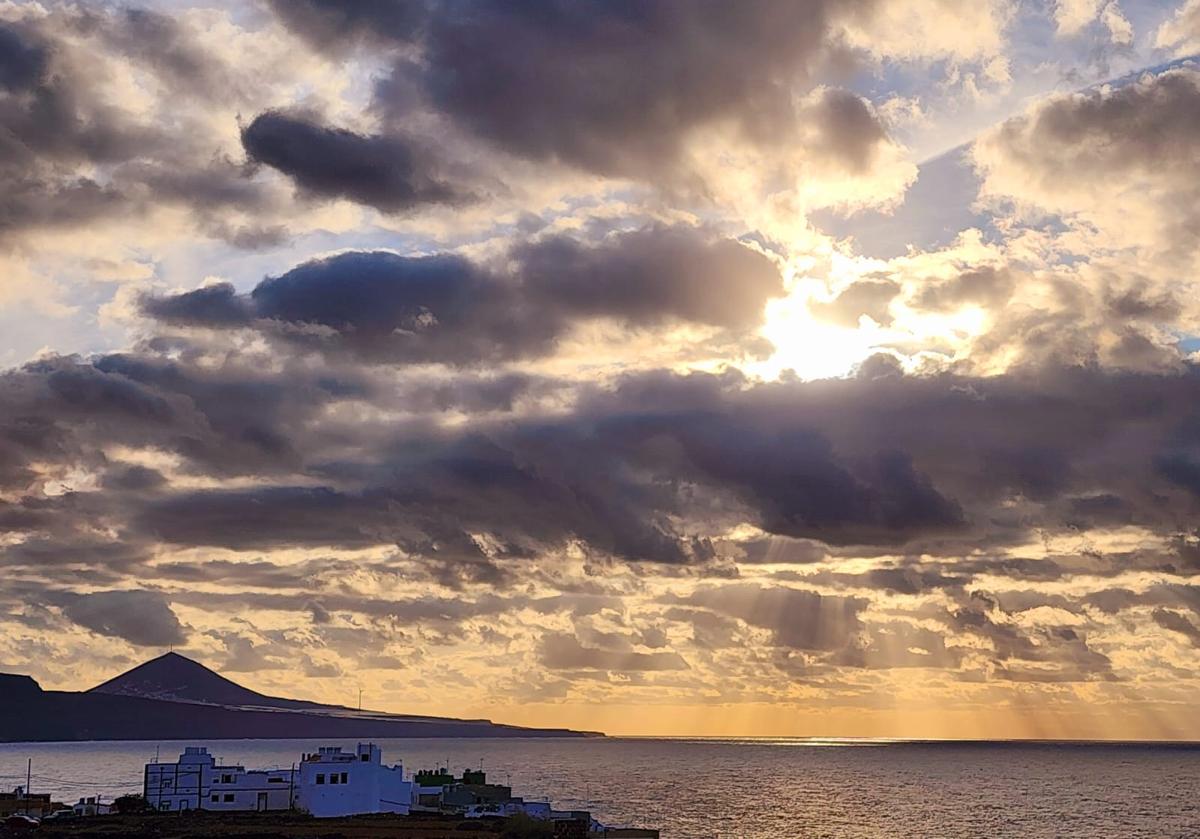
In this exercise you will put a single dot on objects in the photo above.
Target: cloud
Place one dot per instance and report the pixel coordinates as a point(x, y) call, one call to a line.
point(1101, 283)
point(866, 297)
point(656, 472)
point(797, 618)
point(333, 25)
point(472, 403)
point(1136, 138)
point(644, 275)
point(388, 173)
point(928, 29)
point(654, 468)
point(212, 305)
point(654, 86)
point(1181, 32)
point(22, 63)
point(273, 517)
point(140, 617)
point(446, 308)
point(79, 149)
point(985, 286)
point(565, 652)
point(1073, 16)
point(1177, 623)
point(495, 68)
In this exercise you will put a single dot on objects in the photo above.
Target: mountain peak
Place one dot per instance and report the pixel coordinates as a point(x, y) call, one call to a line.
point(177, 678)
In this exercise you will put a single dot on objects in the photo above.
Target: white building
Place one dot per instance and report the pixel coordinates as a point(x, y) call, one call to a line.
point(197, 782)
point(91, 806)
point(331, 782)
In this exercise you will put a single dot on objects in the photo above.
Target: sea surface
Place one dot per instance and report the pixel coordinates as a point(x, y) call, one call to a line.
point(766, 789)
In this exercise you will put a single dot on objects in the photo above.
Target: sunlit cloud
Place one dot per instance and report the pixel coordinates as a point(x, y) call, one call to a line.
point(796, 368)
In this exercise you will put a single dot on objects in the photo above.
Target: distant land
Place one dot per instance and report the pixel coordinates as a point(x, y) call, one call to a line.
point(173, 697)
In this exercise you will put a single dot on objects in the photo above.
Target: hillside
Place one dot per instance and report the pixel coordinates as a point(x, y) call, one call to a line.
point(175, 698)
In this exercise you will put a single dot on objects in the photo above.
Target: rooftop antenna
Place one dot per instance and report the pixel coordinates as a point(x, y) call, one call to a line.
point(360, 699)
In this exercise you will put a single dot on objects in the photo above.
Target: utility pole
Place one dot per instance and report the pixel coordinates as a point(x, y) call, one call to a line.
point(360, 699)
point(28, 776)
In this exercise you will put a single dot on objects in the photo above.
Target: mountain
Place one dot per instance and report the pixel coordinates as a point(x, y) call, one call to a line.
point(176, 678)
point(174, 698)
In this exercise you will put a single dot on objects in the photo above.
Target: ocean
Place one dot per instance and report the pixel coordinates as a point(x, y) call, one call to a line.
point(758, 788)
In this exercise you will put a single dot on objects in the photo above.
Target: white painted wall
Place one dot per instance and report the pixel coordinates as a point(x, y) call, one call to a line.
point(333, 782)
point(196, 782)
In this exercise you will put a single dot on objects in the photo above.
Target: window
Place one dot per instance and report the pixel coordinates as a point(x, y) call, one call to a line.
point(320, 779)
point(164, 805)
point(343, 777)
point(216, 797)
point(226, 779)
point(229, 796)
point(333, 778)
point(364, 758)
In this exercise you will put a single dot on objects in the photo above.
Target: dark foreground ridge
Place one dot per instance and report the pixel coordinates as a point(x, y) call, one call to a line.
point(174, 698)
point(194, 824)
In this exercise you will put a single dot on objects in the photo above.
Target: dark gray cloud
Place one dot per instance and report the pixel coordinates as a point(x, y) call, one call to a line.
point(1148, 125)
point(562, 651)
point(498, 68)
point(613, 88)
point(1177, 623)
point(390, 173)
point(70, 155)
point(446, 308)
point(214, 305)
point(657, 467)
point(50, 123)
point(23, 62)
point(166, 46)
point(334, 25)
point(867, 297)
point(139, 617)
point(849, 130)
point(645, 275)
point(274, 517)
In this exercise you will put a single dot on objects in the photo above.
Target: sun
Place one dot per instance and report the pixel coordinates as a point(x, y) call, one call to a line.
point(811, 348)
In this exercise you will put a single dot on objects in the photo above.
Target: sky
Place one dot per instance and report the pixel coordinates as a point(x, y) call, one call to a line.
point(780, 367)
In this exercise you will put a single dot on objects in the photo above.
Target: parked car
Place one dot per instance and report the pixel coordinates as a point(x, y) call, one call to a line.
point(66, 814)
point(18, 822)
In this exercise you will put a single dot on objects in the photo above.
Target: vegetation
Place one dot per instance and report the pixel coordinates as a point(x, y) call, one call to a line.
point(523, 827)
point(126, 804)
